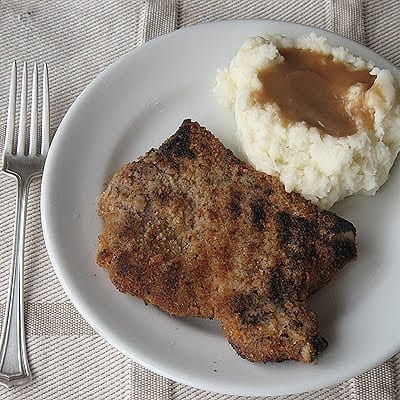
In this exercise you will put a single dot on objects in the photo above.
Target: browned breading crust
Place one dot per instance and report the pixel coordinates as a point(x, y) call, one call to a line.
point(197, 232)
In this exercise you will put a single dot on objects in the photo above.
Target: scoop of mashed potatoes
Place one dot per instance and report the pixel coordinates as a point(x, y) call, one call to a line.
point(321, 167)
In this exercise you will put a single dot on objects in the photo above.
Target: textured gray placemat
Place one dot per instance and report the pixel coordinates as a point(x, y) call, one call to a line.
point(79, 39)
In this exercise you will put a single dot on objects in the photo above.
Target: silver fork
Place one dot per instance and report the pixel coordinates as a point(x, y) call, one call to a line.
point(23, 159)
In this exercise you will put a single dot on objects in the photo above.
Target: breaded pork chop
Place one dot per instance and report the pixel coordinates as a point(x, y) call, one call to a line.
point(197, 232)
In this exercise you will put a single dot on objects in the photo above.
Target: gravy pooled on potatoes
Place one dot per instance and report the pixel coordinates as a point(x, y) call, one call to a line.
point(323, 120)
point(311, 87)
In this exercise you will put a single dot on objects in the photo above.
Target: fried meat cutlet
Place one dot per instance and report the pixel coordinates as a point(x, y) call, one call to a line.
point(195, 231)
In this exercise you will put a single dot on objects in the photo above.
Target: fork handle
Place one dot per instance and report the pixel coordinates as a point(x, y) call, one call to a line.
point(14, 365)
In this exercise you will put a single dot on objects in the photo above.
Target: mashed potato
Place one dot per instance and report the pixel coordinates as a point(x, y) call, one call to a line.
point(323, 168)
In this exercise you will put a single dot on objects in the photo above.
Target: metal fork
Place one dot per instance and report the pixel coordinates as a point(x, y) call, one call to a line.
point(23, 159)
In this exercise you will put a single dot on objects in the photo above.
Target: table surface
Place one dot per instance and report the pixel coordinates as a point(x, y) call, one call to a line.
point(78, 39)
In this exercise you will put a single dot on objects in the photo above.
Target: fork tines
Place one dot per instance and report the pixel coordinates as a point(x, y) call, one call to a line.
point(16, 145)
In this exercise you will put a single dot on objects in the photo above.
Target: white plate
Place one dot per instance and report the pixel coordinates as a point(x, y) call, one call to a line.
point(134, 105)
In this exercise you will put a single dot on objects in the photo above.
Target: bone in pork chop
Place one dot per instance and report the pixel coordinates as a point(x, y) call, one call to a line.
point(197, 232)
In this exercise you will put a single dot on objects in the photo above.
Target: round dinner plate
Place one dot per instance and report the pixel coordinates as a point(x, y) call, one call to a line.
point(134, 105)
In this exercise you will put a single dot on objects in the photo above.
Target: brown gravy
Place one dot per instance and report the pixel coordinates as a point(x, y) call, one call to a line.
point(311, 87)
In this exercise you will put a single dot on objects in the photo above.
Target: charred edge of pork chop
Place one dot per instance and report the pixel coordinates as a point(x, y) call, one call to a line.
point(197, 232)
point(265, 332)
